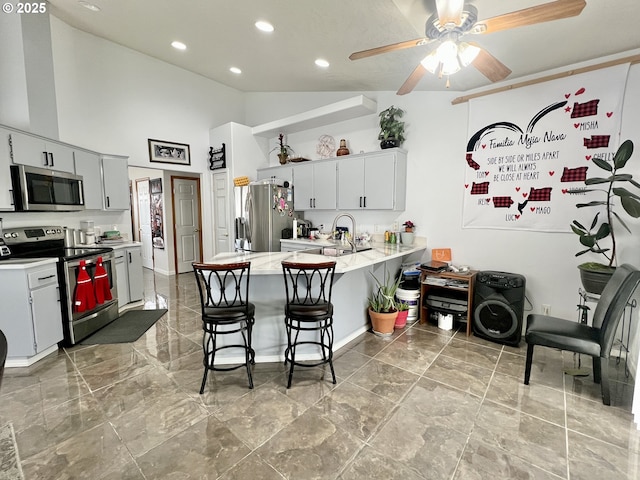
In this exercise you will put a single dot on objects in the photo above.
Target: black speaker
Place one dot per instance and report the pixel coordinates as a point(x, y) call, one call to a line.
point(498, 306)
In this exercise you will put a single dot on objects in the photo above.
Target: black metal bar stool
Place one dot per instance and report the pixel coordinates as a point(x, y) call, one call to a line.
point(226, 310)
point(309, 312)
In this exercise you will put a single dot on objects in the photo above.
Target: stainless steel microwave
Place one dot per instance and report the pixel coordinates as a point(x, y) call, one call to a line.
point(44, 190)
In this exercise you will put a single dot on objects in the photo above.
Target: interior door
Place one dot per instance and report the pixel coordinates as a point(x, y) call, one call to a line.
point(186, 205)
point(144, 222)
point(221, 213)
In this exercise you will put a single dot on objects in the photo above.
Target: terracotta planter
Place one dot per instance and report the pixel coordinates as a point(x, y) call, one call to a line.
point(401, 319)
point(382, 323)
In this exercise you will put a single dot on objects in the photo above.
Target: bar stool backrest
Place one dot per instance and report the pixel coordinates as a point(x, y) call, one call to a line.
point(223, 286)
point(308, 283)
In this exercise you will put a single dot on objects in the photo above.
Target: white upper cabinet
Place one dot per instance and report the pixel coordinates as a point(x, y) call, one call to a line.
point(88, 165)
point(115, 176)
point(39, 152)
point(373, 181)
point(314, 185)
point(6, 194)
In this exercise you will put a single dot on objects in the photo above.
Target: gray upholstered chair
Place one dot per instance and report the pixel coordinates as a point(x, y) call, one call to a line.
point(595, 340)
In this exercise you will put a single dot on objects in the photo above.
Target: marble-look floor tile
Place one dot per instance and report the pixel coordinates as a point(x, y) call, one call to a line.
point(204, 450)
point(385, 380)
point(591, 458)
point(372, 465)
point(154, 421)
point(473, 353)
point(96, 453)
point(115, 369)
point(420, 443)
point(547, 368)
point(533, 440)
point(84, 356)
point(462, 375)
point(369, 344)
point(310, 447)
point(252, 467)
point(482, 462)
point(257, 416)
point(412, 351)
point(348, 362)
point(537, 400)
point(162, 353)
point(358, 411)
point(58, 424)
point(53, 366)
point(606, 423)
point(308, 385)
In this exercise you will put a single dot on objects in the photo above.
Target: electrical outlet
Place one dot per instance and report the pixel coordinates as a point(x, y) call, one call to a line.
point(377, 229)
point(394, 227)
point(546, 309)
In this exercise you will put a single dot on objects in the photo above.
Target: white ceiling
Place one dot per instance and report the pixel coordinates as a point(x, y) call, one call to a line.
point(221, 33)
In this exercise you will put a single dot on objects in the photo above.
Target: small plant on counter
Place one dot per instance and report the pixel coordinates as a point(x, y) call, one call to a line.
point(409, 226)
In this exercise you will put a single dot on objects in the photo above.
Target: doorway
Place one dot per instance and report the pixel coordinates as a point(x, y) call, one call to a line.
point(144, 221)
point(187, 222)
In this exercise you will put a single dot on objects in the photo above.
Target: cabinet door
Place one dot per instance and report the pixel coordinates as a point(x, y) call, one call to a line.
point(47, 317)
point(324, 186)
point(351, 184)
point(87, 164)
point(122, 276)
point(6, 193)
point(60, 157)
point(284, 173)
point(134, 270)
point(115, 176)
point(303, 187)
point(379, 181)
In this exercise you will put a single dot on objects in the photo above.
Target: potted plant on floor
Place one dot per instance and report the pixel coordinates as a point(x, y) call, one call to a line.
point(391, 128)
point(595, 275)
point(382, 306)
point(403, 314)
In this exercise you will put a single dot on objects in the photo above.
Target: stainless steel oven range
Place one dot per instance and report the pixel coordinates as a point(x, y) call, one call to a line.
point(80, 319)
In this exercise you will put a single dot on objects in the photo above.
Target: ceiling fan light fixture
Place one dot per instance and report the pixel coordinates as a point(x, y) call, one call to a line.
point(450, 67)
point(467, 53)
point(431, 62)
point(447, 51)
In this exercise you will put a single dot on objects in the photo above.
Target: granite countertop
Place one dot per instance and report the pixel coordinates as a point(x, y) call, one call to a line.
point(20, 263)
point(269, 263)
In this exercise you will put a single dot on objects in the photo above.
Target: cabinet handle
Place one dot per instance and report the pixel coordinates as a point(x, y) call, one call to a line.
point(129, 257)
point(108, 203)
point(51, 159)
point(365, 202)
point(314, 203)
point(46, 159)
point(310, 202)
point(13, 200)
point(45, 278)
point(360, 202)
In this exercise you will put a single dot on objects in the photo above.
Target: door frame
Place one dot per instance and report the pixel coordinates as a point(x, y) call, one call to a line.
point(136, 233)
point(173, 213)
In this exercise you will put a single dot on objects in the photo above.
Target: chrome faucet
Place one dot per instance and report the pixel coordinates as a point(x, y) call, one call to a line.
point(353, 236)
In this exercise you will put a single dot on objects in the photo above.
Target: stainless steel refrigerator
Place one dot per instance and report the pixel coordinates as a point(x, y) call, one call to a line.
point(269, 210)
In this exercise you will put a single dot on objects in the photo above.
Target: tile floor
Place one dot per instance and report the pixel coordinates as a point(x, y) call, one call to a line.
point(424, 404)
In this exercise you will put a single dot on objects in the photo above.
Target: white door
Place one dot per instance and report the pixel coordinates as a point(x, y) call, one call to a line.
point(221, 213)
point(186, 207)
point(144, 222)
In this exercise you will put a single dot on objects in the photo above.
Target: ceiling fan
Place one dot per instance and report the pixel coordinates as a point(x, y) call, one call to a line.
point(447, 53)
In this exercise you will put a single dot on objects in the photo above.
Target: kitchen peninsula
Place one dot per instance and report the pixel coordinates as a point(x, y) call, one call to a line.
point(352, 286)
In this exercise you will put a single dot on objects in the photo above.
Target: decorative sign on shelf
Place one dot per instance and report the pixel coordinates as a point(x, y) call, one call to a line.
point(217, 158)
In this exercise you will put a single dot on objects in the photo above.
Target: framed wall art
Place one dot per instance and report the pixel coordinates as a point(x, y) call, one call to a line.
point(169, 152)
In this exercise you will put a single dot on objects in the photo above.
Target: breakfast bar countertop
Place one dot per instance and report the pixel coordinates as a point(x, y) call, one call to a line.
point(269, 263)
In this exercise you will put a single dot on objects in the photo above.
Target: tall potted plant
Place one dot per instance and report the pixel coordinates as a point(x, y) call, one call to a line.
point(595, 275)
point(283, 149)
point(391, 128)
point(382, 305)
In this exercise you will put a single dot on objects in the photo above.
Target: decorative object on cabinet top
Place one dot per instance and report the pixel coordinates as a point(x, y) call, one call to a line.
point(391, 127)
point(343, 150)
point(217, 158)
point(326, 146)
point(284, 150)
point(169, 152)
point(299, 159)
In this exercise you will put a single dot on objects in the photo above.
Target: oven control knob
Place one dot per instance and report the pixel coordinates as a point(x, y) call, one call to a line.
point(14, 235)
point(7, 235)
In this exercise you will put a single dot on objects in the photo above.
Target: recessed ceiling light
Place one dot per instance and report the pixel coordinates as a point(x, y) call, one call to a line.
point(264, 26)
point(89, 6)
point(178, 45)
point(321, 62)
point(235, 70)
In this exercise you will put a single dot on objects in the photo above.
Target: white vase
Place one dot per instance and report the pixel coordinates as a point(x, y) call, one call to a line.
point(406, 238)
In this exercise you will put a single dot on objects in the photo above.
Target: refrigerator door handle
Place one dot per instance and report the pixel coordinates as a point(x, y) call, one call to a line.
point(249, 220)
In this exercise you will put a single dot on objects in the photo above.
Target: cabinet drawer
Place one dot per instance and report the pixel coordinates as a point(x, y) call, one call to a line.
point(43, 277)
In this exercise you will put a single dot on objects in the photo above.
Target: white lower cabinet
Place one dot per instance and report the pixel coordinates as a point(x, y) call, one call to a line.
point(31, 313)
point(129, 273)
point(6, 192)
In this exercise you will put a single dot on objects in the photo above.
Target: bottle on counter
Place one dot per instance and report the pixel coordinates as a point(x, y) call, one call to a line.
point(295, 228)
point(387, 236)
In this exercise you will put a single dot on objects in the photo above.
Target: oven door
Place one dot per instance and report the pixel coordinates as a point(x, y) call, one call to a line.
point(92, 295)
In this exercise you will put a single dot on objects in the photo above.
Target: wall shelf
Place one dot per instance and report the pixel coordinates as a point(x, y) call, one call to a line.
point(335, 112)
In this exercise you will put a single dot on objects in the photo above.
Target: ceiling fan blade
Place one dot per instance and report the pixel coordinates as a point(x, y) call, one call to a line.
point(490, 66)
point(449, 11)
point(411, 82)
point(389, 48)
point(530, 16)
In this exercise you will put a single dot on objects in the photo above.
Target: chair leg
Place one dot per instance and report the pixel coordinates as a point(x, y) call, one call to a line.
point(604, 380)
point(204, 380)
point(527, 368)
point(597, 369)
point(247, 357)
